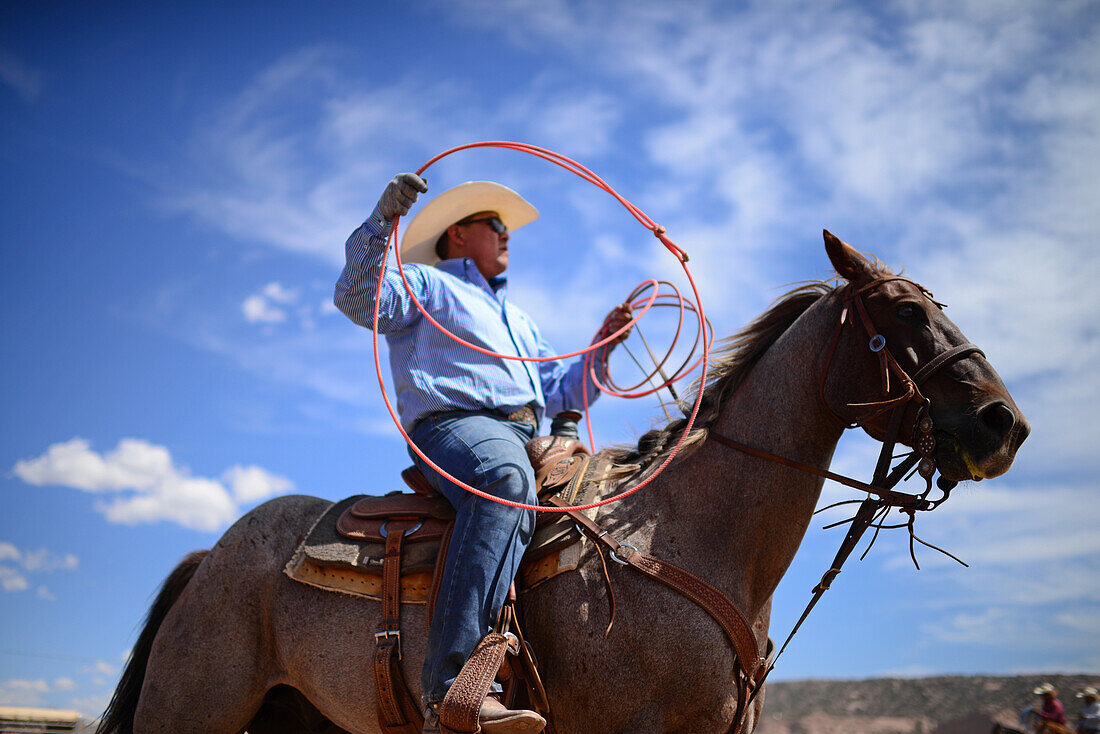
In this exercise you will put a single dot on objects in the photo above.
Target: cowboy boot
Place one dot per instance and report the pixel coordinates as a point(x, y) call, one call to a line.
point(496, 718)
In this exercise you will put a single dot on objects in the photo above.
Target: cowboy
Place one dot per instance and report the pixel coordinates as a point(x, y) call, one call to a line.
point(1088, 721)
point(1052, 708)
point(470, 413)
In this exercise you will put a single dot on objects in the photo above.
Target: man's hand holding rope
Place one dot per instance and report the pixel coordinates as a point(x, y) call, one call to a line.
point(619, 317)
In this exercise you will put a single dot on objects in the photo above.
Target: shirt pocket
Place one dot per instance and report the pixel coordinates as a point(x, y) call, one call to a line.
point(524, 332)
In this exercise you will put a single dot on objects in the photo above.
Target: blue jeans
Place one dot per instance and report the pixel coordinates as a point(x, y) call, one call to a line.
point(485, 451)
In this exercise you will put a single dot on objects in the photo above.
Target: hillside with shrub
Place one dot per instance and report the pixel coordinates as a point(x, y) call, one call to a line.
point(939, 705)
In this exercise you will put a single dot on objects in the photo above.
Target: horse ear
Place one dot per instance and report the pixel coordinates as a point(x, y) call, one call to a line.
point(849, 262)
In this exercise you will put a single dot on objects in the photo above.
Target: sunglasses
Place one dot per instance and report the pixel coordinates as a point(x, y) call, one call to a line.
point(498, 226)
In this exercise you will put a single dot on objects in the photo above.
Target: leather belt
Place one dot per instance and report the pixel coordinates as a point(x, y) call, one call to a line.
point(526, 414)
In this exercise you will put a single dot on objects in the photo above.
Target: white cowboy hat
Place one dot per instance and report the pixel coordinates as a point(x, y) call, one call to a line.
point(1045, 688)
point(418, 241)
point(1088, 693)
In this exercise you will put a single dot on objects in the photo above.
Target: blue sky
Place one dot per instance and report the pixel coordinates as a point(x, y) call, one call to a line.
point(179, 181)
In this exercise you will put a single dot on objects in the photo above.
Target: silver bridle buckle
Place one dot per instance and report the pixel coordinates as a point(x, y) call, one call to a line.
point(615, 555)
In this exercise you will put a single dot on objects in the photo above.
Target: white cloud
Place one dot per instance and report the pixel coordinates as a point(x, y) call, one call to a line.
point(196, 503)
point(273, 304)
point(1026, 585)
point(580, 124)
point(799, 112)
point(133, 464)
point(101, 667)
point(257, 310)
point(262, 179)
point(21, 692)
point(252, 484)
point(91, 706)
point(64, 684)
point(145, 485)
point(8, 552)
point(280, 294)
point(11, 580)
point(989, 626)
point(45, 560)
point(1056, 634)
point(39, 561)
point(1085, 621)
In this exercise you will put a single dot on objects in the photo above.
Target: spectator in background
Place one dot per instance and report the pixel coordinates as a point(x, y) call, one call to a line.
point(1088, 721)
point(1052, 710)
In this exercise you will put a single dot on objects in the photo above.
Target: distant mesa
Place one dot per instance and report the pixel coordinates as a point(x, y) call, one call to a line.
point(938, 705)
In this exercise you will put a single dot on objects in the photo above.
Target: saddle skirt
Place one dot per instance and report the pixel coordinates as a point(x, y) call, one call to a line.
point(345, 548)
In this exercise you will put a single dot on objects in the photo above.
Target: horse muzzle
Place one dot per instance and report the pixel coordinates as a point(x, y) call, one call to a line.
point(984, 445)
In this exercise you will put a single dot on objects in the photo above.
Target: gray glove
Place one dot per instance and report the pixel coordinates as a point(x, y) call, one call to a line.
point(400, 194)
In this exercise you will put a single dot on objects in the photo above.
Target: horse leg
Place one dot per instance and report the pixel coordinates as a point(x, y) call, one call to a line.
point(206, 672)
point(327, 640)
point(211, 663)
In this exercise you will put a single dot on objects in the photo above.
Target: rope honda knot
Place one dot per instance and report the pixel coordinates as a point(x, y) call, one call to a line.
point(659, 233)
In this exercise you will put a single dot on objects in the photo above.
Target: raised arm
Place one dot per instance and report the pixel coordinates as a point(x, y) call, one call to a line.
point(355, 290)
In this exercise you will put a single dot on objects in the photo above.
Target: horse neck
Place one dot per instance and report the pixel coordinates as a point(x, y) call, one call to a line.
point(733, 519)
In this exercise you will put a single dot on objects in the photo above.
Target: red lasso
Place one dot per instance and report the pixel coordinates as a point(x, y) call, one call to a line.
point(597, 342)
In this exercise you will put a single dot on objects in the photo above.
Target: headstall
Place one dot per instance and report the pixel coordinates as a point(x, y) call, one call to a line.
point(881, 496)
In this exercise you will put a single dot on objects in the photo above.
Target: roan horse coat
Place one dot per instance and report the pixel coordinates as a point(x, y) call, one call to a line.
point(233, 644)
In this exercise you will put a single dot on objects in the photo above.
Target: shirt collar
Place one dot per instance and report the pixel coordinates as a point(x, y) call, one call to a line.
point(465, 269)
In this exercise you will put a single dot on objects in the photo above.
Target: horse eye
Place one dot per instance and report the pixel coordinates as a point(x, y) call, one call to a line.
point(906, 311)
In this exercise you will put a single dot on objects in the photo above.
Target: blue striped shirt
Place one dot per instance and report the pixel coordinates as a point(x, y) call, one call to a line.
point(431, 372)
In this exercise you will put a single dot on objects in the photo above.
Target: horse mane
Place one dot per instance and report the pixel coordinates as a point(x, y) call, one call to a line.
point(733, 359)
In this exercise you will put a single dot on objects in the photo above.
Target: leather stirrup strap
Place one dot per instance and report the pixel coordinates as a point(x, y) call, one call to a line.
point(437, 576)
point(524, 671)
point(397, 711)
point(459, 711)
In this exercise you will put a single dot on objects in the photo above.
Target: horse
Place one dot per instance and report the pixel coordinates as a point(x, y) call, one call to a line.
point(232, 644)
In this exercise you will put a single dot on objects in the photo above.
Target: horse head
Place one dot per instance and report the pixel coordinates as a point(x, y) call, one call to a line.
point(895, 348)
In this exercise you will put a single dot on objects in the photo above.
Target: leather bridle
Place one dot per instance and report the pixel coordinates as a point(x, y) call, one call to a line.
point(853, 301)
point(919, 432)
point(881, 496)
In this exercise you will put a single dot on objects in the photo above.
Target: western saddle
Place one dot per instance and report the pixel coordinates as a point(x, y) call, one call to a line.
point(391, 549)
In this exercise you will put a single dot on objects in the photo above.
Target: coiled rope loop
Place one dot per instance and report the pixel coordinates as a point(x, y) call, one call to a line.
point(602, 339)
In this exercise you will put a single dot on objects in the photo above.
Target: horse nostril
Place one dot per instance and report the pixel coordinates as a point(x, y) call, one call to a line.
point(998, 417)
